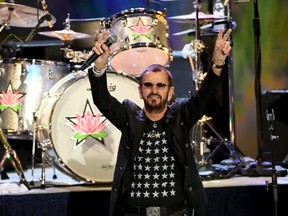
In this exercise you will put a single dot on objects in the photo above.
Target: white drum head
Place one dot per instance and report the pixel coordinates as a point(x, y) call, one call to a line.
point(75, 122)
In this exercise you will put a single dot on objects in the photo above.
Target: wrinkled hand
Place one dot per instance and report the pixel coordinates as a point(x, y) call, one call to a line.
point(101, 49)
point(222, 47)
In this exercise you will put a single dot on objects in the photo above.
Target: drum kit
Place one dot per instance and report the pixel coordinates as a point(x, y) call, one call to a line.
point(48, 102)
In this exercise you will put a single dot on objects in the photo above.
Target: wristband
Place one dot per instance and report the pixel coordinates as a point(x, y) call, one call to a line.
point(218, 66)
point(98, 72)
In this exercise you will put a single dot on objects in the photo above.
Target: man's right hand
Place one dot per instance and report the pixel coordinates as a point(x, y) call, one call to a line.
point(101, 49)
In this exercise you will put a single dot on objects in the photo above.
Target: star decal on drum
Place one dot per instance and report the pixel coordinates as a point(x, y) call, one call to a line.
point(11, 99)
point(140, 29)
point(87, 125)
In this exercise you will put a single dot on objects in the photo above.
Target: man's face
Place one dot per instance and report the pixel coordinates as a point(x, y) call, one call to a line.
point(154, 89)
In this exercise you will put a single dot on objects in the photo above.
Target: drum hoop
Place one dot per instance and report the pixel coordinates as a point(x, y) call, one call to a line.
point(136, 11)
point(88, 20)
point(142, 45)
point(34, 61)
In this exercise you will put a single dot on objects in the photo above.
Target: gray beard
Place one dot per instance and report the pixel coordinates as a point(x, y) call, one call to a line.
point(155, 108)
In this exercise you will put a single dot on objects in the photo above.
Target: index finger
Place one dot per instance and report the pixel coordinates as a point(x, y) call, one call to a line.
point(98, 36)
point(227, 34)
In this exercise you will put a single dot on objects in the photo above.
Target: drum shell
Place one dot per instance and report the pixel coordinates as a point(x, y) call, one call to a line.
point(29, 80)
point(142, 40)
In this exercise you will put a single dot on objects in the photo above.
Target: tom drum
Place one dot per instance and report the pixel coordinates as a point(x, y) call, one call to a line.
point(142, 40)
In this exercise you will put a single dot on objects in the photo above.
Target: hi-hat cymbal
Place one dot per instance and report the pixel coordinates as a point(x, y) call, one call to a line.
point(21, 16)
point(202, 17)
point(66, 34)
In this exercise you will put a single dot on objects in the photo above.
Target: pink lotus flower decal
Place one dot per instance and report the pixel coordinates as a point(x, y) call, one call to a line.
point(10, 99)
point(88, 125)
point(141, 29)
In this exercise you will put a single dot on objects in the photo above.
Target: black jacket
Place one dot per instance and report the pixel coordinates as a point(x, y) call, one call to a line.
point(130, 119)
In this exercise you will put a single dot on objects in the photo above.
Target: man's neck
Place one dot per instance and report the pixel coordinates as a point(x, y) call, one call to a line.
point(155, 115)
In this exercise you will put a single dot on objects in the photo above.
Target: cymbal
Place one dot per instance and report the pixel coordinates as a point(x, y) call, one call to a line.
point(202, 17)
point(21, 16)
point(203, 27)
point(66, 34)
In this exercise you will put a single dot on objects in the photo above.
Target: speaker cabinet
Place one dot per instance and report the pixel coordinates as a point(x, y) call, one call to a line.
point(276, 101)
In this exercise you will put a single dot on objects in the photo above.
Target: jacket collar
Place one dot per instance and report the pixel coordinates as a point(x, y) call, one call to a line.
point(168, 115)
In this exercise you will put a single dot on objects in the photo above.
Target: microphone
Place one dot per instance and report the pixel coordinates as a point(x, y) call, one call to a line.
point(46, 12)
point(111, 39)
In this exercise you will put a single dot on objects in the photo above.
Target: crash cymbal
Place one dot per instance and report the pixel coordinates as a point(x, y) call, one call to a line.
point(202, 17)
point(21, 16)
point(66, 34)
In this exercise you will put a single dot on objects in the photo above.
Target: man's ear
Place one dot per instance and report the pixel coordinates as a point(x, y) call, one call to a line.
point(140, 92)
point(171, 93)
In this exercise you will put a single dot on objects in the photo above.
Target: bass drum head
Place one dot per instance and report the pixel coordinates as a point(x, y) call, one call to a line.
point(76, 147)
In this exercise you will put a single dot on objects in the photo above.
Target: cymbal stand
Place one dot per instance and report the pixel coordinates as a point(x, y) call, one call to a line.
point(36, 28)
point(4, 24)
point(198, 136)
point(11, 155)
point(199, 130)
point(235, 153)
point(69, 53)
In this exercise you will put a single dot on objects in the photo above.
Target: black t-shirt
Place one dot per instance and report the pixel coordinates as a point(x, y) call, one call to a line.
point(157, 178)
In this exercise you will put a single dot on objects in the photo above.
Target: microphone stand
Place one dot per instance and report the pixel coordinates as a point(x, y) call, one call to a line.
point(46, 17)
point(270, 118)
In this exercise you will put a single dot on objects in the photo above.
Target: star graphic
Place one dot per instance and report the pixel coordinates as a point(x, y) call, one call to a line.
point(73, 120)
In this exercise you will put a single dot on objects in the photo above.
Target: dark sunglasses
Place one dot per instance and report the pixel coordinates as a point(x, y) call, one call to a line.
point(149, 85)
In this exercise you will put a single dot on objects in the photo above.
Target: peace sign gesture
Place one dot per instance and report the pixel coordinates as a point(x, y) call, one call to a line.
point(222, 47)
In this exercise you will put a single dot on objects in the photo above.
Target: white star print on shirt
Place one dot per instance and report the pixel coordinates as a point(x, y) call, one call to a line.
point(160, 177)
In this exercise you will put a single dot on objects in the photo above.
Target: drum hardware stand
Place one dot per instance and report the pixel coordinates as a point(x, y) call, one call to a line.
point(4, 25)
point(42, 156)
point(6, 22)
point(235, 153)
point(33, 149)
point(34, 31)
point(198, 129)
point(74, 56)
point(199, 77)
point(199, 141)
point(270, 117)
point(43, 176)
point(11, 155)
point(44, 145)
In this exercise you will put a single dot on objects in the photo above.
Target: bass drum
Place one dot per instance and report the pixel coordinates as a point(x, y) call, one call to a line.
point(73, 134)
point(23, 83)
point(142, 40)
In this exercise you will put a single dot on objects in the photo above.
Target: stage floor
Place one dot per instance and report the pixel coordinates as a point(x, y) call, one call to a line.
point(65, 182)
point(237, 195)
